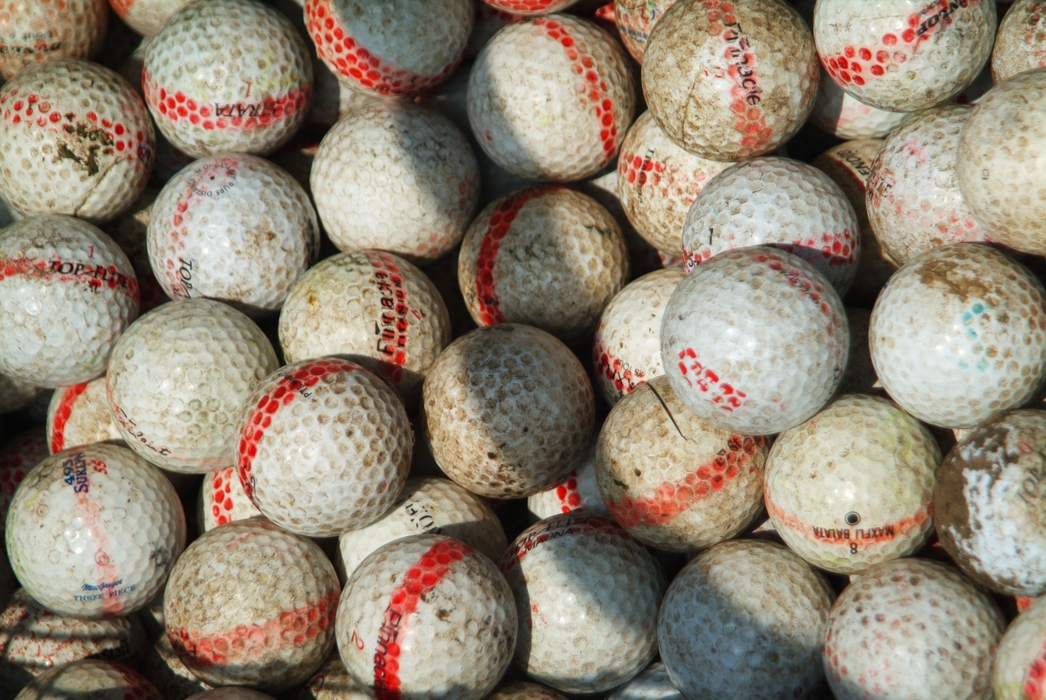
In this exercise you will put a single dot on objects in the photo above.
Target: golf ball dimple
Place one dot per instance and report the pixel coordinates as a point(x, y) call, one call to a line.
point(95, 679)
point(934, 628)
point(853, 486)
point(913, 200)
point(635, 20)
point(730, 80)
point(250, 604)
point(546, 256)
point(508, 411)
point(576, 491)
point(1017, 670)
point(902, 55)
point(223, 500)
point(74, 139)
point(754, 340)
point(671, 478)
point(93, 531)
point(394, 48)
point(426, 616)
point(958, 334)
point(395, 176)
point(43, 31)
point(207, 99)
point(551, 98)
point(781, 203)
point(574, 567)
point(374, 307)
point(69, 291)
point(233, 227)
point(1020, 43)
point(844, 116)
point(178, 380)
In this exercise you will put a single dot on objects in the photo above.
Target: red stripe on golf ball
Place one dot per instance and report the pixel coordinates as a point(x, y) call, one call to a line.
point(280, 394)
point(62, 414)
point(95, 277)
point(431, 568)
point(249, 642)
point(672, 499)
point(498, 226)
point(176, 106)
point(359, 64)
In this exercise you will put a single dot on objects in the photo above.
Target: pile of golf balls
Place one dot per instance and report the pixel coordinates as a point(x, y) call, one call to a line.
point(522, 349)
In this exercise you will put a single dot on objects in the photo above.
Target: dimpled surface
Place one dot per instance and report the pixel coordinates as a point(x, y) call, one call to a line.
point(92, 532)
point(740, 314)
point(850, 165)
point(657, 182)
point(396, 176)
point(671, 478)
point(431, 506)
point(913, 201)
point(508, 411)
point(651, 684)
point(325, 447)
point(375, 308)
point(208, 97)
point(395, 48)
point(146, 17)
point(988, 504)
point(223, 500)
point(232, 227)
point(546, 256)
point(75, 139)
point(587, 595)
point(249, 604)
point(730, 80)
point(331, 682)
point(844, 116)
point(860, 374)
point(91, 680)
point(781, 203)
point(43, 31)
point(69, 291)
point(178, 379)
point(853, 486)
point(1020, 43)
point(1002, 162)
point(34, 640)
point(551, 98)
point(904, 55)
point(426, 616)
point(914, 629)
point(79, 415)
point(524, 691)
point(635, 20)
point(959, 334)
point(1021, 656)
point(576, 491)
point(721, 636)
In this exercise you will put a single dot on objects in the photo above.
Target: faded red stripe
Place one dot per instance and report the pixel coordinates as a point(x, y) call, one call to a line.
point(623, 377)
point(596, 90)
point(561, 527)
point(425, 575)
point(498, 226)
point(898, 529)
point(671, 499)
point(95, 277)
point(61, 415)
point(284, 391)
point(255, 641)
